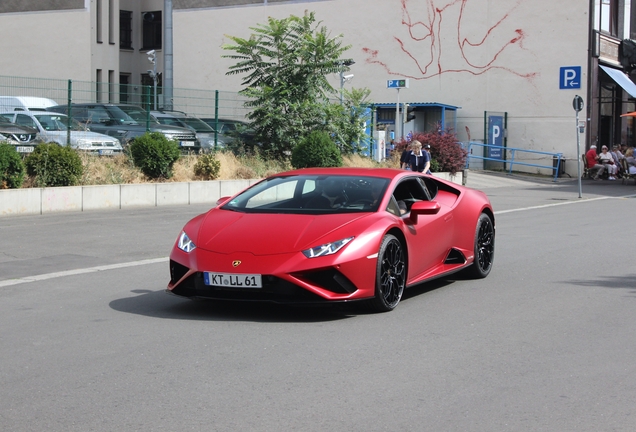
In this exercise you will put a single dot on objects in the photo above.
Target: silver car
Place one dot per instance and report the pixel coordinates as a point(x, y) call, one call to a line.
point(204, 132)
point(53, 127)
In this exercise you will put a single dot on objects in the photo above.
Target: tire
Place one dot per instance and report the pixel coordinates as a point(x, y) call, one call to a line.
point(390, 278)
point(484, 248)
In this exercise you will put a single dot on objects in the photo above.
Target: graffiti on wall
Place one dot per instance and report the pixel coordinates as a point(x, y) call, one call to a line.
point(435, 41)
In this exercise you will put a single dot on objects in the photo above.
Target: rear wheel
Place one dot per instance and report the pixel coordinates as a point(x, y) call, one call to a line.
point(484, 247)
point(390, 277)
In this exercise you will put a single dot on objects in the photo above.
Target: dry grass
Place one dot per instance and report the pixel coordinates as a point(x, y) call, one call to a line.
point(120, 170)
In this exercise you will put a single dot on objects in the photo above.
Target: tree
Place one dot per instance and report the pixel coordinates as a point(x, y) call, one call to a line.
point(286, 63)
point(347, 121)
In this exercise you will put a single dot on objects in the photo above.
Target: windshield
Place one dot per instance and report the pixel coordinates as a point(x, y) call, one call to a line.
point(57, 122)
point(116, 113)
point(137, 113)
point(197, 125)
point(311, 194)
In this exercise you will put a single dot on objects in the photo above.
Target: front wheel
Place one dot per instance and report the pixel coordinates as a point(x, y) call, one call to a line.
point(390, 277)
point(484, 247)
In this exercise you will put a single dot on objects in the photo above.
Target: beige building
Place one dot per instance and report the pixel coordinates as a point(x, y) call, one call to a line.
point(521, 62)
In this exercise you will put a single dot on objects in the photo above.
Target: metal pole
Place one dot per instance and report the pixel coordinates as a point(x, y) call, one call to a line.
point(167, 56)
point(578, 153)
point(154, 78)
point(397, 116)
point(341, 82)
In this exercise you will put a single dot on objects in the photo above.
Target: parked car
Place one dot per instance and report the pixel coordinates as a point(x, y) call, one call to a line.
point(24, 138)
point(232, 129)
point(53, 127)
point(205, 133)
point(111, 120)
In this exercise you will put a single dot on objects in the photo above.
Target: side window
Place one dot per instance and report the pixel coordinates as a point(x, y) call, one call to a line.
point(408, 192)
point(309, 186)
point(25, 120)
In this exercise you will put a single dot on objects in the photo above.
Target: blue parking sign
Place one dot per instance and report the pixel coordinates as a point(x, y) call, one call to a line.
point(570, 77)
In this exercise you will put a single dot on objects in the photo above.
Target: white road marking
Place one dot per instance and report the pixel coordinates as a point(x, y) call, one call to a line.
point(46, 276)
point(561, 203)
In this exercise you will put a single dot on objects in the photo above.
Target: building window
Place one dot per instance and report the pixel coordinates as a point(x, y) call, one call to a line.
point(98, 20)
point(607, 17)
point(125, 29)
point(151, 30)
point(124, 88)
point(148, 92)
point(111, 22)
point(98, 85)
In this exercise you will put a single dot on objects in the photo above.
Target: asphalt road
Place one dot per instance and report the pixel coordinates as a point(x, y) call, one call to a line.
point(91, 342)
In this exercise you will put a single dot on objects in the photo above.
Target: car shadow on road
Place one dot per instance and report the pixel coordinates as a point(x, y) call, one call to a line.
point(626, 282)
point(159, 304)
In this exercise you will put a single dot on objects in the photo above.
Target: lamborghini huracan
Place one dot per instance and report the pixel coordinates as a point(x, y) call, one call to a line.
point(323, 235)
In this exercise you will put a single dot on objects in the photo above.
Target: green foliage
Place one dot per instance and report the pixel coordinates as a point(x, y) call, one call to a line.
point(347, 121)
point(12, 170)
point(207, 167)
point(286, 63)
point(54, 165)
point(316, 150)
point(154, 154)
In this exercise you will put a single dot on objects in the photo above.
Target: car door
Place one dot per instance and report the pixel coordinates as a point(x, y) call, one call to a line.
point(429, 235)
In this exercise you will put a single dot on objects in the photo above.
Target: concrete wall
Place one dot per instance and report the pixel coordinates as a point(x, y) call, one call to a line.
point(15, 202)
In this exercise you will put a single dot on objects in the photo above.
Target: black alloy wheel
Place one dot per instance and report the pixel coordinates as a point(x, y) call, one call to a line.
point(484, 247)
point(390, 275)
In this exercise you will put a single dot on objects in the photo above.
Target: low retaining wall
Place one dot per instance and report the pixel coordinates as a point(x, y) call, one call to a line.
point(32, 201)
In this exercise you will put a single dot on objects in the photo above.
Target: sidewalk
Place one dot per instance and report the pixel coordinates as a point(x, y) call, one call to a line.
point(508, 192)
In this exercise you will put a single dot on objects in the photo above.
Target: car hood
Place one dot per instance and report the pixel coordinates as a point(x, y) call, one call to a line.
point(16, 129)
point(158, 127)
point(75, 135)
point(224, 231)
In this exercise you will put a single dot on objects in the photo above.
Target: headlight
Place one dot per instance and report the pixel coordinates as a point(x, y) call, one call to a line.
point(326, 249)
point(185, 244)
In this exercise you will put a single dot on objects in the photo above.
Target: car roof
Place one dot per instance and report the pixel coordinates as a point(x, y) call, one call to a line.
point(347, 171)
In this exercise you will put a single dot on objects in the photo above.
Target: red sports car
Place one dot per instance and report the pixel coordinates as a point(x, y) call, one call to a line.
point(334, 235)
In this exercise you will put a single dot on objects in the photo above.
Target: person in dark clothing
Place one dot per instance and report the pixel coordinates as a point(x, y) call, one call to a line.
point(420, 160)
point(405, 157)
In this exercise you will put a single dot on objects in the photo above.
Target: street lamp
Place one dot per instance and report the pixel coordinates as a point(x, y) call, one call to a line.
point(152, 58)
point(344, 78)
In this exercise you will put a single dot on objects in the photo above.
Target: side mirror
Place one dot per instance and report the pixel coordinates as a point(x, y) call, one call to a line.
point(424, 208)
point(222, 200)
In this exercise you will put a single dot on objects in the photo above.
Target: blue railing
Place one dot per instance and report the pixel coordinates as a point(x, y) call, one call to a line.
point(511, 160)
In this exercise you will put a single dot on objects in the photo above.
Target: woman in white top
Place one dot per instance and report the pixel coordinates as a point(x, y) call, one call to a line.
point(608, 162)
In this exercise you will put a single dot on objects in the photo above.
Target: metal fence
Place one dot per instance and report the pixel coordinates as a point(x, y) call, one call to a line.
point(196, 102)
point(508, 157)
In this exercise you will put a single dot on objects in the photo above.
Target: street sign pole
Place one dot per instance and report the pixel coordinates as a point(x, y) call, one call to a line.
point(397, 117)
point(577, 103)
point(397, 84)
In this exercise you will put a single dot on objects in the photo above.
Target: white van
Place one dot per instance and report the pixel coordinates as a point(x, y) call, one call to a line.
point(25, 103)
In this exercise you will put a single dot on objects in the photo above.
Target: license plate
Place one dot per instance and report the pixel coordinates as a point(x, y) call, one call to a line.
point(187, 143)
point(24, 149)
point(232, 280)
point(106, 152)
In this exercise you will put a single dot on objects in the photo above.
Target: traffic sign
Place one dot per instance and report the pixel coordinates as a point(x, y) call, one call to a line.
point(570, 77)
point(577, 103)
point(402, 83)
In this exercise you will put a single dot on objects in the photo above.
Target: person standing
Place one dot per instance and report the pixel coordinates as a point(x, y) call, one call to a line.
point(427, 149)
point(419, 160)
point(405, 157)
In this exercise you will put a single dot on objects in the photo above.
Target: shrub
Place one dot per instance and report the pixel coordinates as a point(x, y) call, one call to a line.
point(207, 167)
point(316, 150)
point(12, 169)
point(447, 155)
point(53, 165)
point(154, 154)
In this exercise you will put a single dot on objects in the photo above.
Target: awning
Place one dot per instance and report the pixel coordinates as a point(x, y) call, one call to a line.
point(621, 79)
